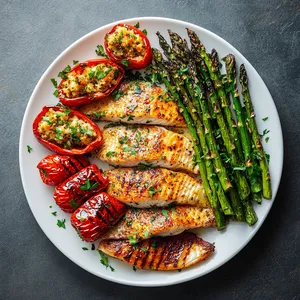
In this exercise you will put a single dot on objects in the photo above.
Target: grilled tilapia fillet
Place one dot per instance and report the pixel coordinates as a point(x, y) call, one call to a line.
point(137, 102)
point(155, 187)
point(165, 254)
point(128, 146)
point(145, 223)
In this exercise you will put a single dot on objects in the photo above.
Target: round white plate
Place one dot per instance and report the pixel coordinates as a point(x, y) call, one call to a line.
point(228, 243)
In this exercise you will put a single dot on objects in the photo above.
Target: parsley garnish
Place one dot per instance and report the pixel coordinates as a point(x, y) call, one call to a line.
point(117, 94)
point(29, 149)
point(87, 186)
point(144, 31)
point(129, 223)
point(100, 115)
point(181, 71)
point(152, 219)
point(110, 153)
point(54, 213)
point(55, 93)
point(142, 166)
point(130, 117)
point(85, 249)
point(134, 268)
point(123, 140)
point(137, 25)
point(242, 168)
point(152, 191)
point(267, 139)
point(74, 204)
point(265, 119)
point(132, 240)
point(268, 157)
point(266, 131)
point(165, 212)
point(125, 62)
point(54, 82)
point(154, 245)
point(144, 249)
point(61, 223)
point(75, 62)
point(137, 89)
point(100, 51)
point(146, 234)
point(64, 72)
point(104, 260)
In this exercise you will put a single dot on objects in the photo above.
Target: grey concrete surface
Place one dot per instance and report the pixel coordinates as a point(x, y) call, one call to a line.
point(33, 33)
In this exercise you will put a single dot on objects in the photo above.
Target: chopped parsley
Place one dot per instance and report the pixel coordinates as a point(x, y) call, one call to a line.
point(147, 234)
point(74, 204)
point(181, 71)
point(152, 219)
point(87, 186)
point(265, 132)
point(123, 140)
point(267, 139)
point(152, 191)
point(100, 115)
point(55, 93)
point(125, 62)
point(132, 240)
point(265, 119)
point(154, 245)
point(134, 268)
point(130, 117)
point(132, 107)
point(165, 212)
point(104, 260)
point(61, 223)
point(117, 94)
point(137, 25)
point(54, 213)
point(137, 89)
point(268, 157)
point(142, 166)
point(29, 149)
point(64, 72)
point(144, 31)
point(85, 249)
point(129, 223)
point(100, 51)
point(110, 153)
point(242, 168)
point(75, 62)
point(144, 249)
point(54, 82)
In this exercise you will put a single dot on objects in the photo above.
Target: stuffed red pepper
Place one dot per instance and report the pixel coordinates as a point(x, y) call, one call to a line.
point(55, 168)
point(66, 131)
point(73, 192)
point(128, 46)
point(96, 216)
point(91, 80)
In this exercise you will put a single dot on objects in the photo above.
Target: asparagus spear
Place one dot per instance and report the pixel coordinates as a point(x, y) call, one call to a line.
point(266, 182)
point(211, 192)
point(246, 144)
point(182, 52)
point(214, 58)
point(197, 49)
point(177, 66)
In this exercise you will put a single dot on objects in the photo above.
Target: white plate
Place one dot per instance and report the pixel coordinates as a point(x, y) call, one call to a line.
point(228, 243)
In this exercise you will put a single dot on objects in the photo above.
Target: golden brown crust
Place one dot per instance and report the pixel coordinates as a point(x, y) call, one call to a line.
point(151, 105)
point(155, 186)
point(145, 223)
point(169, 253)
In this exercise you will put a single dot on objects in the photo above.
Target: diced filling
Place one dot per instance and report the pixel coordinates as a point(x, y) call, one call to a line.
point(60, 128)
point(124, 43)
point(98, 78)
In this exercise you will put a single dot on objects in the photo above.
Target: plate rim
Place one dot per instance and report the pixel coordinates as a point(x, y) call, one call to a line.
point(21, 142)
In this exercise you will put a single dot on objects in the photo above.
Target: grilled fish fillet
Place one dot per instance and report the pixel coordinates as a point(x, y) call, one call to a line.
point(137, 102)
point(165, 254)
point(155, 187)
point(128, 146)
point(142, 224)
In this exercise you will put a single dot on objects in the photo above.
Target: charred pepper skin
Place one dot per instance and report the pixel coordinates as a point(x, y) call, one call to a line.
point(73, 192)
point(96, 216)
point(55, 168)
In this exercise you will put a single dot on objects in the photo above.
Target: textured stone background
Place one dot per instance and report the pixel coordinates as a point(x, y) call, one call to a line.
point(33, 33)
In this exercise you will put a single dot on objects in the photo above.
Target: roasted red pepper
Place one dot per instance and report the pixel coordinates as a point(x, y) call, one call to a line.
point(96, 216)
point(55, 168)
point(73, 192)
point(83, 81)
point(131, 48)
point(54, 127)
